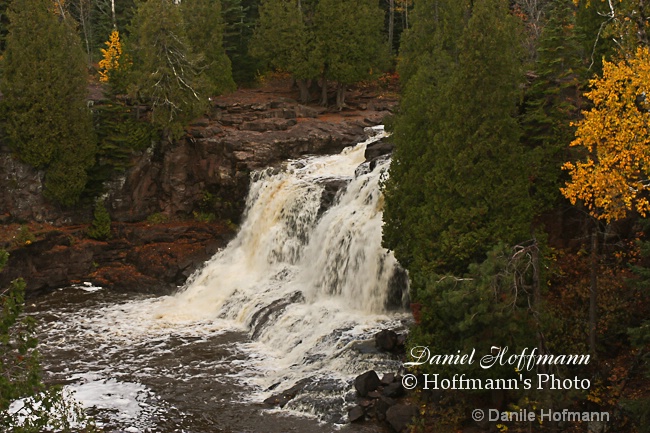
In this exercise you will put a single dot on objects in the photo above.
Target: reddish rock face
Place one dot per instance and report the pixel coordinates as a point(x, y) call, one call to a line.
point(139, 257)
point(245, 131)
point(217, 155)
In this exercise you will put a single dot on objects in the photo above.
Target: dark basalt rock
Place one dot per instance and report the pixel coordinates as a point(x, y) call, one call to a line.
point(274, 309)
point(356, 414)
point(378, 148)
point(332, 187)
point(366, 382)
point(394, 390)
point(386, 340)
point(281, 399)
point(400, 416)
point(381, 407)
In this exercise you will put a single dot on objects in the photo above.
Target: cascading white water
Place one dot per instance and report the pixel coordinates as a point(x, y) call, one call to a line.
point(305, 285)
point(283, 246)
point(306, 278)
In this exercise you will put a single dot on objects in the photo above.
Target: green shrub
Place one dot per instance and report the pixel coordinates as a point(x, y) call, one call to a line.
point(101, 226)
point(157, 218)
point(44, 408)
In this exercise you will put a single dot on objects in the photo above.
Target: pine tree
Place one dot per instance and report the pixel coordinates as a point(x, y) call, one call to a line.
point(284, 41)
point(44, 84)
point(239, 18)
point(458, 183)
point(553, 101)
point(204, 27)
point(167, 72)
point(349, 41)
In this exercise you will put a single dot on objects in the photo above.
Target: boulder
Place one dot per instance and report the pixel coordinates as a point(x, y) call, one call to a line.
point(378, 148)
point(381, 407)
point(356, 414)
point(386, 340)
point(284, 397)
point(400, 416)
point(366, 382)
point(393, 390)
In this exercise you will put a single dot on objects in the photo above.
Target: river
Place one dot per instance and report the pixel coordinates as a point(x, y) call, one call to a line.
point(296, 297)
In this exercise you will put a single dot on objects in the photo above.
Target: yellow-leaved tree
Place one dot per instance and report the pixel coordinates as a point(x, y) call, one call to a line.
point(614, 179)
point(112, 54)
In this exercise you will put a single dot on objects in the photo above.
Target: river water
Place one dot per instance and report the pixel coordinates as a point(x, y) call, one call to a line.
point(296, 297)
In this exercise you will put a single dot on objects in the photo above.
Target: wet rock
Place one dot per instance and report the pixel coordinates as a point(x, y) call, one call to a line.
point(365, 403)
point(138, 257)
point(393, 390)
point(281, 399)
point(381, 407)
point(331, 189)
point(366, 382)
point(386, 340)
point(274, 309)
point(356, 414)
point(378, 148)
point(398, 290)
point(388, 378)
point(400, 416)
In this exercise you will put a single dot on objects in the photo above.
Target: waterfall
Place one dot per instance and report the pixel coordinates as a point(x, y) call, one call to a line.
point(294, 298)
point(305, 282)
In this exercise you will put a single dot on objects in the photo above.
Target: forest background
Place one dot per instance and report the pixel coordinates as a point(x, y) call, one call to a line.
point(518, 191)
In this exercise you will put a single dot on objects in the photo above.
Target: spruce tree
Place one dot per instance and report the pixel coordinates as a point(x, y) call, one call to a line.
point(204, 27)
point(553, 101)
point(458, 184)
point(44, 84)
point(166, 72)
point(349, 41)
point(284, 41)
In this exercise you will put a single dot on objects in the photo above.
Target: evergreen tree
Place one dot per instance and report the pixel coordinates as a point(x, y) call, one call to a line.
point(166, 72)
point(239, 18)
point(349, 41)
point(204, 27)
point(458, 183)
point(44, 85)
point(100, 228)
point(283, 41)
point(457, 197)
point(553, 100)
point(4, 23)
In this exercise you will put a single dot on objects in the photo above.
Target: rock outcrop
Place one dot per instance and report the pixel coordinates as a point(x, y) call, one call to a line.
point(139, 257)
point(207, 170)
point(218, 154)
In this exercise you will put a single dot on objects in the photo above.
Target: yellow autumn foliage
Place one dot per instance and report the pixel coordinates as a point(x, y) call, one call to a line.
point(614, 178)
point(112, 54)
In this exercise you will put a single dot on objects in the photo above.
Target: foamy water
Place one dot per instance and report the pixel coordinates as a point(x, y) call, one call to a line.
point(293, 296)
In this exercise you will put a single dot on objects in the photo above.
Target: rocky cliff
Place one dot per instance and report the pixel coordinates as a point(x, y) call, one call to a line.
point(207, 169)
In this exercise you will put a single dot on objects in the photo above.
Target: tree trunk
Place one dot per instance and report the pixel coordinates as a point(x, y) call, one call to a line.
point(84, 27)
point(303, 86)
point(593, 291)
point(113, 14)
point(323, 97)
point(391, 24)
point(406, 15)
point(340, 96)
point(537, 303)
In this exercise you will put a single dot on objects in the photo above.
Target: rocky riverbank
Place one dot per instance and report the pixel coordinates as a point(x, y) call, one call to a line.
point(160, 233)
